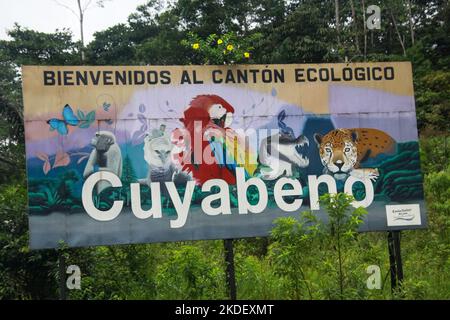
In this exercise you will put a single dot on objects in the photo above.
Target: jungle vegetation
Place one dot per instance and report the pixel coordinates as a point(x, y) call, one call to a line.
point(294, 262)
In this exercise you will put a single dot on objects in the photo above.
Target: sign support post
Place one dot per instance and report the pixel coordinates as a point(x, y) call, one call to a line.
point(229, 262)
point(395, 259)
point(62, 275)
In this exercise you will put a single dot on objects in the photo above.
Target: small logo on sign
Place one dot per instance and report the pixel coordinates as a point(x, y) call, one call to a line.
point(403, 215)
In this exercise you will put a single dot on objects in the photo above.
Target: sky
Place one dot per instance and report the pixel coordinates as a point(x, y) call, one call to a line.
point(47, 15)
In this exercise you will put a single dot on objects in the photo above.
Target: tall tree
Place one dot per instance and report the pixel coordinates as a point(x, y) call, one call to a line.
point(401, 38)
point(26, 47)
point(304, 36)
point(355, 26)
point(11, 121)
point(364, 28)
point(203, 17)
point(33, 47)
point(112, 46)
point(79, 11)
point(337, 21)
point(411, 22)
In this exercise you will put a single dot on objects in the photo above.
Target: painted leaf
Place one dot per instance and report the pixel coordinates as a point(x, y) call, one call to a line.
point(90, 117)
point(82, 158)
point(84, 125)
point(62, 159)
point(42, 156)
point(81, 153)
point(274, 92)
point(81, 115)
point(46, 167)
point(142, 108)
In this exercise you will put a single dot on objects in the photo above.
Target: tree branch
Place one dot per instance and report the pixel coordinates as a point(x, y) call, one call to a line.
point(87, 6)
point(66, 6)
point(398, 33)
point(8, 162)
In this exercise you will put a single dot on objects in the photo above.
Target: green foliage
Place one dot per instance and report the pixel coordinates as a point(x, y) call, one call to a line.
point(433, 101)
point(119, 272)
point(190, 274)
point(304, 35)
point(434, 153)
point(438, 187)
point(290, 254)
point(30, 47)
point(342, 229)
point(25, 274)
point(47, 195)
point(228, 48)
point(332, 243)
point(111, 47)
point(257, 279)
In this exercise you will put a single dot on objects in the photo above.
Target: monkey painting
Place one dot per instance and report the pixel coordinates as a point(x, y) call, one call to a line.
point(106, 155)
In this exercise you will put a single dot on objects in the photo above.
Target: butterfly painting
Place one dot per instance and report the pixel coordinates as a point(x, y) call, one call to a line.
point(69, 118)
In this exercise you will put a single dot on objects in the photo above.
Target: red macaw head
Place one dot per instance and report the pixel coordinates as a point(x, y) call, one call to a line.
point(207, 108)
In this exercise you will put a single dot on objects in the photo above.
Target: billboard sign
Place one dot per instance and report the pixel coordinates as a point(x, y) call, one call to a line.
point(166, 153)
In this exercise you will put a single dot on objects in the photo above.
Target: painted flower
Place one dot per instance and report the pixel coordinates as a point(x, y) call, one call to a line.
point(230, 47)
point(247, 55)
point(195, 46)
point(220, 41)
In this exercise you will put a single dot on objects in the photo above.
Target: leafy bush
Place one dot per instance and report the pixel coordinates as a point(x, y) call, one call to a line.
point(228, 48)
point(190, 274)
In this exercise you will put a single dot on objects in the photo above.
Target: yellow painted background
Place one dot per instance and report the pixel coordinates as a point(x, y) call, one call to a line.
point(42, 102)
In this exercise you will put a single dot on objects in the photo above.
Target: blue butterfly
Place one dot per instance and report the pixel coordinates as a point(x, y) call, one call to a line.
point(69, 118)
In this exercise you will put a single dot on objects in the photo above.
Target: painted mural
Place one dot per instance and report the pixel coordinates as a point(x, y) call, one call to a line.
point(204, 152)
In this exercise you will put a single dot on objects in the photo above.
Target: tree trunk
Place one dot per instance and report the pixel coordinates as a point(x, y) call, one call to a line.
point(230, 272)
point(365, 29)
point(338, 27)
point(355, 26)
point(402, 43)
point(411, 25)
point(371, 39)
point(81, 29)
